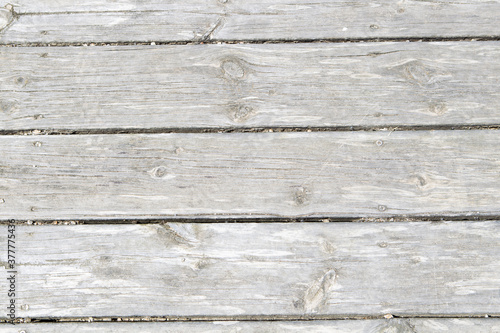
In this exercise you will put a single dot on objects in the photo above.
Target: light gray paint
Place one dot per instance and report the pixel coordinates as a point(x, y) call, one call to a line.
point(128, 20)
point(352, 84)
point(254, 269)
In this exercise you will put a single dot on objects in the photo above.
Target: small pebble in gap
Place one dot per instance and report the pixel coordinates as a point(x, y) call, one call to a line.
point(379, 143)
point(153, 43)
point(388, 316)
point(2, 200)
point(23, 332)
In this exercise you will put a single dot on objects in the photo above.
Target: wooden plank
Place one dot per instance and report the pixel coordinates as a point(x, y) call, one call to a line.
point(358, 84)
point(334, 326)
point(341, 174)
point(255, 269)
point(128, 20)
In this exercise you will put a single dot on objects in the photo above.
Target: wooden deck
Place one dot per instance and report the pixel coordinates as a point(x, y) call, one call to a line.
point(250, 166)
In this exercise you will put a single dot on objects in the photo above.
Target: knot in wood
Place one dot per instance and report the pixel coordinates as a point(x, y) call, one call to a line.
point(418, 73)
point(9, 107)
point(21, 81)
point(241, 113)
point(301, 196)
point(438, 108)
point(233, 69)
point(160, 172)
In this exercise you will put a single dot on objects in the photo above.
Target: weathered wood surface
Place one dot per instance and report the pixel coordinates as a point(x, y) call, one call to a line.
point(250, 174)
point(252, 269)
point(359, 84)
point(127, 20)
point(333, 326)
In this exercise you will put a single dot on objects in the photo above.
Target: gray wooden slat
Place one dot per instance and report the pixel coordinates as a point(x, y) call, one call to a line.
point(336, 326)
point(106, 20)
point(341, 174)
point(254, 269)
point(353, 84)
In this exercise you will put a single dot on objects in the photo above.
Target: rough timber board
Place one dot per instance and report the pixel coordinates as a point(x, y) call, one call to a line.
point(353, 84)
point(97, 21)
point(333, 326)
point(252, 269)
point(341, 174)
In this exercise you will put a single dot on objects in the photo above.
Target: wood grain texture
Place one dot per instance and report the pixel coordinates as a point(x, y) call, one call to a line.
point(128, 20)
point(337, 326)
point(358, 84)
point(253, 269)
point(250, 175)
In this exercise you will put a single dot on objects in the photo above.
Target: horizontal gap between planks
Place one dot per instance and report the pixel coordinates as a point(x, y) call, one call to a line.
point(197, 130)
point(222, 219)
point(238, 318)
point(260, 41)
